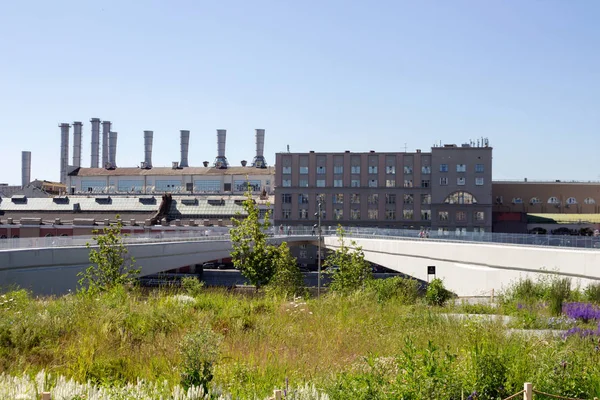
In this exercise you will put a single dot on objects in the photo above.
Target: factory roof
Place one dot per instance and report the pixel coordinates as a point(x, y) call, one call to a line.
point(164, 171)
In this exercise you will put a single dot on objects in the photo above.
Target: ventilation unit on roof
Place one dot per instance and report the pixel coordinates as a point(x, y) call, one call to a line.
point(61, 200)
point(189, 202)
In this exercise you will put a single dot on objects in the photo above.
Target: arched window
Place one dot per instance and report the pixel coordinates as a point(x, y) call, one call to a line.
point(64, 234)
point(517, 200)
point(49, 235)
point(589, 200)
point(15, 236)
point(461, 198)
point(2, 236)
point(534, 200)
point(553, 200)
point(571, 200)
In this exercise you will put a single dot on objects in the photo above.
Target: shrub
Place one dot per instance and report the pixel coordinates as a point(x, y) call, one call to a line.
point(560, 290)
point(437, 294)
point(288, 280)
point(192, 285)
point(200, 351)
point(404, 289)
point(592, 293)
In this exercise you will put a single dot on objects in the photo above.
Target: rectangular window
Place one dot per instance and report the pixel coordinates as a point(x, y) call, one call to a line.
point(320, 197)
point(390, 214)
point(337, 183)
point(354, 214)
point(338, 213)
point(408, 169)
point(443, 167)
point(372, 169)
point(303, 170)
point(320, 182)
point(207, 186)
point(338, 169)
point(244, 186)
point(286, 198)
point(408, 214)
point(303, 213)
point(132, 186)
point(425, 215)
point(93, 185)
point(479, 168)
point(372, 182)
point(408, 183)
point(355, 183)
point(287, 183)
point(425, 199)
point(426, 169)
point(390, 183)
point(355, 198)
point(443, 215)
point(479, 216)
point(390, 198)
point(461, 167)
point(303, 198)
point(286, 170)
point(443, 181)
point(461, 216)
point(409, 199)
point(303, 254)
point(390, 169)
point(479, 181)
point(338, 198)
point(373, 199)
point(286, 214)
point(460, 181)
point(321, 170)
point(373, 213)
point(303, 183)
point(425, 183)
point(167, 185)
point(355, 169)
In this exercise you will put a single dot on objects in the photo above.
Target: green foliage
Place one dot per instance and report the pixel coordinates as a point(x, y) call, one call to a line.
point(200, 351)
point(192, 285)
point(560, 291)
point(288, 280)
point(352, 271)
point(404, 289)
point(251, 253)
point(110, 266)
point(437, 294)
point(490, 371)
point(592, 293)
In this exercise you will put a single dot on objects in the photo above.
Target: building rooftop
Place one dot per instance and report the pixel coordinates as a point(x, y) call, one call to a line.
point(164, 171)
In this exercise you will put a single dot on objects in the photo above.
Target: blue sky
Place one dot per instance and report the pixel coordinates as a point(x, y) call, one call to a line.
point(317, 75)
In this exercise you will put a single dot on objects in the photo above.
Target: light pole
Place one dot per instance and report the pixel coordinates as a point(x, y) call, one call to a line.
point(318, 226)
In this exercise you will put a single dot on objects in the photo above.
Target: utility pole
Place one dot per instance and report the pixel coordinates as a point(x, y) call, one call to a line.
point(318, 226)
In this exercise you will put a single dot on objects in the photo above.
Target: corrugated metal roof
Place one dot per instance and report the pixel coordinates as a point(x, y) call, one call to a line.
point(166, 171)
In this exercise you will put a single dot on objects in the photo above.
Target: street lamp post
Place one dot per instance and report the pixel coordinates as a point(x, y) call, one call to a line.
point(318, 226)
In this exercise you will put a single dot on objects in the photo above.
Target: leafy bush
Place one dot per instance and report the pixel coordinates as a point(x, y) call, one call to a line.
point(404, 289)
point(592, 293)
point(288, 280)
point(560, 291)
point(352, 270)
point(437, 294)
point(192, 285)
point(200, 351)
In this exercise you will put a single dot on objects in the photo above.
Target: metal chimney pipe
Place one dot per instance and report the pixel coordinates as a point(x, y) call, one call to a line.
point(64, 151)
point(185, 144)
point(77, 128)
point(112, 153)
point(95, 142)
point(148, 135)
point(25, 168)
point(259, 159)
point(221, 160)
point(106, 125)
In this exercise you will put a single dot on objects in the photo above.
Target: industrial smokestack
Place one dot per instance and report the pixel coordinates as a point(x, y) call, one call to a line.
point(185, 144)
point(106, 125)
point(112, 151)
point(64, 151)
point(221, 160)
point(77, 127)
point(25, 168)
point(95, 142)
point(148, 148)
point(259, 159)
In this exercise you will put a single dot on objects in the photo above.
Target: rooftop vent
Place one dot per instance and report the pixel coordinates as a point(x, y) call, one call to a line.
point(147, 199)
point(61, 200)
point(103, 199)
point(244, 162)
point(19, 199)
point(216, 202)
point(189, 202)
point(205, 163)
point(175, 165)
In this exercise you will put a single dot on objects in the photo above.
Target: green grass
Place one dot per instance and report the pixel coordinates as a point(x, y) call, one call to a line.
point(354, 346)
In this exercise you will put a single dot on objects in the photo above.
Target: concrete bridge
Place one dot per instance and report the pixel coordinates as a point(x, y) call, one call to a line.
point(469, 268)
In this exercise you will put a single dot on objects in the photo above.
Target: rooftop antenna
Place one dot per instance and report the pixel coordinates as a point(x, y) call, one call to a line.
point(405, 147)
point(288, 148)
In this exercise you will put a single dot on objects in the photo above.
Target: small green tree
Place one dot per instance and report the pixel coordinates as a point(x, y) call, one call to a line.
point(199, 351)
point(349, 270)
point(288, 279)
point(251, 253)
point(110, 267)
point(437, 294)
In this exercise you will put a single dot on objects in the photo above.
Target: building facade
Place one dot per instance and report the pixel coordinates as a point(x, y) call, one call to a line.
point(447, 189)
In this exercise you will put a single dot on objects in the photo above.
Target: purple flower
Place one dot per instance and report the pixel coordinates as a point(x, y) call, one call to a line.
point(582, 311)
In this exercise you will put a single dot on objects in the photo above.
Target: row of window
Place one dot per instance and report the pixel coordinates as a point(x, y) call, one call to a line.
point(554, 200)
point(373, 214)
point(373, 183)
point(459, 197)
point(389, 169)
point(131, 185)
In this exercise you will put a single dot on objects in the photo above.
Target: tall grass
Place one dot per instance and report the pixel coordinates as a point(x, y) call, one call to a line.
point(375, 343)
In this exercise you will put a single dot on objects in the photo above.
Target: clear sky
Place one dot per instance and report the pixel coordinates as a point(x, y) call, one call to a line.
point(323, 75)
